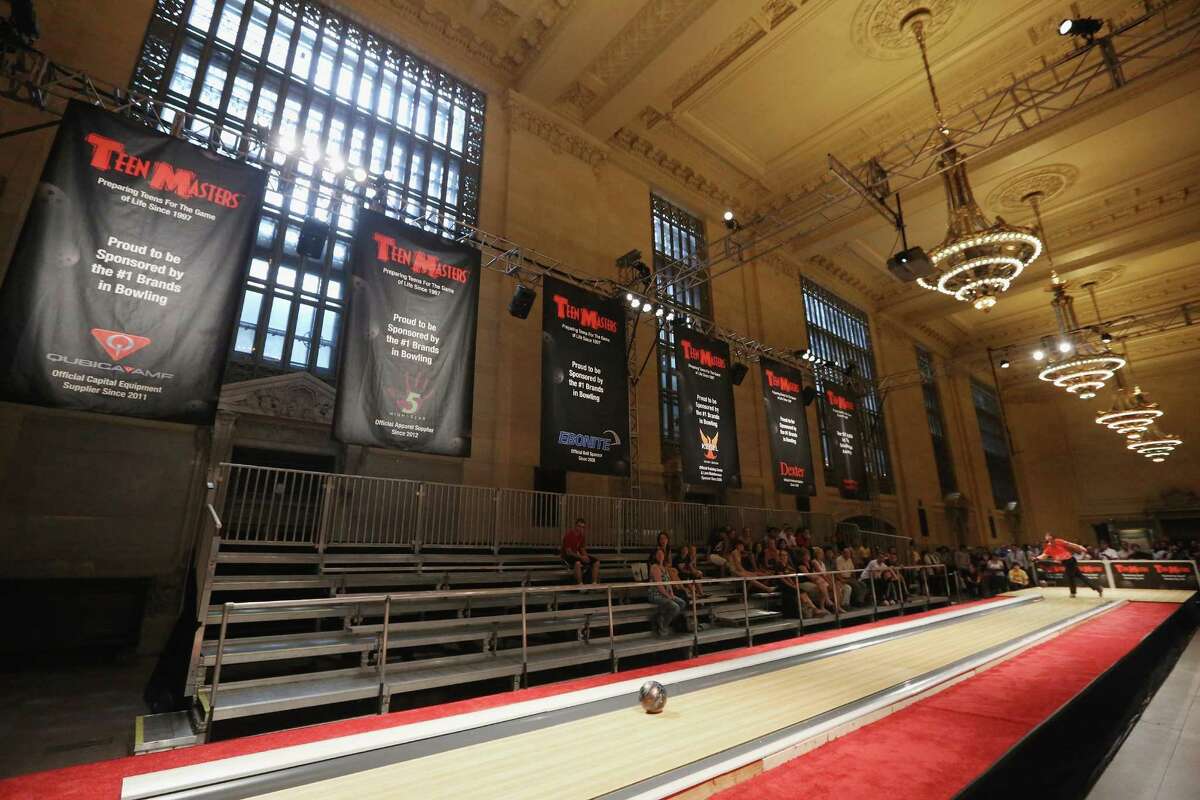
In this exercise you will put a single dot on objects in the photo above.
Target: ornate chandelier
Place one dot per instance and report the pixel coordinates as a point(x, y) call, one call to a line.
point(1131, 413)
point(1154, 444)
point(978, 260)
point(1082, 366)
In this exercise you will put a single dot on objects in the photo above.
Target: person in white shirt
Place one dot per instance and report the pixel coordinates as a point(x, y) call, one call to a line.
point(1108, 552)
point(887, 585)
point(845, 565)
point(1018, 556)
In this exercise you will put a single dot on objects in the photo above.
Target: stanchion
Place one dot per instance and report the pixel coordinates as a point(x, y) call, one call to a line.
point(695, 620)
point(799, 605)
point(946, 575)
point(524, 641)
point(612, 649)
point(925, 582)
point(212, 692)
point(874, 599)
point(381, 659)
point(746, 609)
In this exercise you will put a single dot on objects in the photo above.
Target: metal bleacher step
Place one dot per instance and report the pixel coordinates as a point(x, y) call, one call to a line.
point(155, 732)
point(735, 614)
point(243, 583)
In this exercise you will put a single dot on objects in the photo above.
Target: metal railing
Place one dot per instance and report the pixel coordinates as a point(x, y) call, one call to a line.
point(922, 575)
point(269, 505)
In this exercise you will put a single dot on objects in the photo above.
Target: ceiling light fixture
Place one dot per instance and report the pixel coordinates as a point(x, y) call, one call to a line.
point(1086, 370)
point(1154, 444)
point(1131, 413)
point(979, 259)
point(1084, 26)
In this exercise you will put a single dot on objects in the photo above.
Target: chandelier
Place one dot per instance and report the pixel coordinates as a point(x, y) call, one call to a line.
point(1082, 366)
point(1154, 444)
point(1131, 413)
point(979, 259)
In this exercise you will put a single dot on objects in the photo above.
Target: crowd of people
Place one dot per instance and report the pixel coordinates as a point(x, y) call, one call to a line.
point(838, 578)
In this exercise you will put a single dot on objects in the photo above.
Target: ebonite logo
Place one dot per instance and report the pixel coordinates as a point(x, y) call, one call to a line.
point(583, 317)
point(118, 344)
point(418, 261)
point(709, 445)
point(109, 154)
point(837, 401)
point(781, 383)
point(702, 356)
point(602, 443)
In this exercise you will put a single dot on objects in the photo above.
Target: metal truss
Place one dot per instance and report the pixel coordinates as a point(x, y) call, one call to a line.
point(1166, 34)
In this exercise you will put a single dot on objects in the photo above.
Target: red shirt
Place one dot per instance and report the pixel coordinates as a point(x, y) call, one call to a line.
point(1058, 550)
point(573, 541)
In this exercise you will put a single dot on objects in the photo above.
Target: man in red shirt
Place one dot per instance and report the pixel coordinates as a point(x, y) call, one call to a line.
point(1064, 552)
point(575, 555)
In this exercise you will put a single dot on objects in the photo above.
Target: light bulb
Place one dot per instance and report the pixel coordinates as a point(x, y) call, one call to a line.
point(1064, 346)
point(1038, 355)
point(646, 306)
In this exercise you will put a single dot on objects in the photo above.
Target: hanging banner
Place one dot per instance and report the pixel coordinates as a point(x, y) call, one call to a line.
point(121, 294)
point(847, 462)
point(585, 390)
point(707, 429)
point(787, 428)
point(408, 362)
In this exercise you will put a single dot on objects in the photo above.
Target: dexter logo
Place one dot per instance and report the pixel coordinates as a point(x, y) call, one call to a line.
point(118, 344)
point(787, 470)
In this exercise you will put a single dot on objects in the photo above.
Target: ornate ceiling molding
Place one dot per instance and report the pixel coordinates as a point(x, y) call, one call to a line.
point(562, 135)
point(1052, 180)
point(875, 28)
point(647, 152)
point(846, 277)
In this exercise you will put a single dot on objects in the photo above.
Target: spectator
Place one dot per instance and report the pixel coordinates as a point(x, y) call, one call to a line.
point(575, 555)
point(737, 567)
point(847, 572)
point(662, 595)
point(972, 581)
point(1108, 552)
point(808, 582)
point(997, 575)
point(1018, 577)
point(1018, 556)
point(718, 549)
point(885, 582)
point(836, 588)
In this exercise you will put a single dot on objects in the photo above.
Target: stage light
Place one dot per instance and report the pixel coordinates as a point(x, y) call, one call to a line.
point(522, 301)
point(360, 174)
point(1084, 26)
point(1064, 346)
point(1038, 355)
point(658, 312)
point(670, 316)
point(730, 221)
point(1106, 337)
point(646, 305)
point(1004, 363)
point(629, 297)
point(635, 301)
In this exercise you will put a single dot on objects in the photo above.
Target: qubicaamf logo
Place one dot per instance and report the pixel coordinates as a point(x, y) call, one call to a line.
point(118, 344)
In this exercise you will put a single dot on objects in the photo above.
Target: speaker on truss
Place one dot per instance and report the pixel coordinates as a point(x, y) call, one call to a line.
point(737, 373)
point(522, 301)
point(808, 394)
point(313, 235)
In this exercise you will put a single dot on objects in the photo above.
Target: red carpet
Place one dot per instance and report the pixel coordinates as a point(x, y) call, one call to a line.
point(102, 780)
point(933, 749)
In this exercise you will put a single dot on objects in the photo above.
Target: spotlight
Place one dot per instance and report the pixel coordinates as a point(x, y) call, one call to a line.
point(1004, 363)
point(730, 221)
point(646, 306)
point(360, 174)
point(634, 302)
point(1064, 346)
point(1084, 26)
point(670, 316)
point(1106, 337)
point(522, 301)
point(1039, 354)
point(658, 312)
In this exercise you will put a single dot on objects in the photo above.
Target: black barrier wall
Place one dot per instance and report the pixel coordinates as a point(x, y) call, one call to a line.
point(122, 292)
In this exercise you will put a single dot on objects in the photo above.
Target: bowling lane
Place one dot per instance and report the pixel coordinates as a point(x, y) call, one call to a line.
point(606, 752)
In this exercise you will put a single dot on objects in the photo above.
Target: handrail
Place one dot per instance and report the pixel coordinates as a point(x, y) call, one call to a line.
point(216, 519)
point(388, 598)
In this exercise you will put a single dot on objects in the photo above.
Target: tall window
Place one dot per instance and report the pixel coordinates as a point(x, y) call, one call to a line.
point(937, 422)
point(995, 444)
point(308, 81)
point(678, 237)
point(839, 333)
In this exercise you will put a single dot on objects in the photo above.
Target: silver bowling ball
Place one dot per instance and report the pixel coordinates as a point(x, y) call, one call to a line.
point(653, 697)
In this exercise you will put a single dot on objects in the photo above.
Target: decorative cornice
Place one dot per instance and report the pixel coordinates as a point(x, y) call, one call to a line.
point(296, 395)
point(845, 277)
point(562, 135)
point(629, 141)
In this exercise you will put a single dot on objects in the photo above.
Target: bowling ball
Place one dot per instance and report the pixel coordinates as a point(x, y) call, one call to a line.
point(653, 697)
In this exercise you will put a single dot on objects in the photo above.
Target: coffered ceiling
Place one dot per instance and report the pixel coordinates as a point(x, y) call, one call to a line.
point(740, 101)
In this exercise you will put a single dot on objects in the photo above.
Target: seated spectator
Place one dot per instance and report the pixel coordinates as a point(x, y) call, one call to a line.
point(885, 581)
point(815, 586)
point(848, 572)
point(972, 582)
point(718, 549)
point(794, 590)
point(1108, 552)
point(737, 567)
point(838, 590)
point(575, 555)
point(662, 595)
point(687, 569)
point(997, 575)
point(1018, 577)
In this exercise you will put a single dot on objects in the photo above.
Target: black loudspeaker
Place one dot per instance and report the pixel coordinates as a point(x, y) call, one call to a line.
point(522, 301)
point(808, 394)
point(910, 264)
point(313, 235)
point(737, 373)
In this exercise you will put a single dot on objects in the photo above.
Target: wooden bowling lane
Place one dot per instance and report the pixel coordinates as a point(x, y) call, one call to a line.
point(606, 752)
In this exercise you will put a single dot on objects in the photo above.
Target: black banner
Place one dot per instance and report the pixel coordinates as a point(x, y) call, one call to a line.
point(707, 428)
point(1155, 575)
point(123, 288)
point(1051, 573)
point(847, 462)
point(408, 363)
point(787, 428)
point(585, 391)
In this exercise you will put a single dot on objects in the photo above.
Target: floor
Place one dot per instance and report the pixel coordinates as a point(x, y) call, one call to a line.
point(56, 717)
point(1160, 759)
point(1135, 595)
